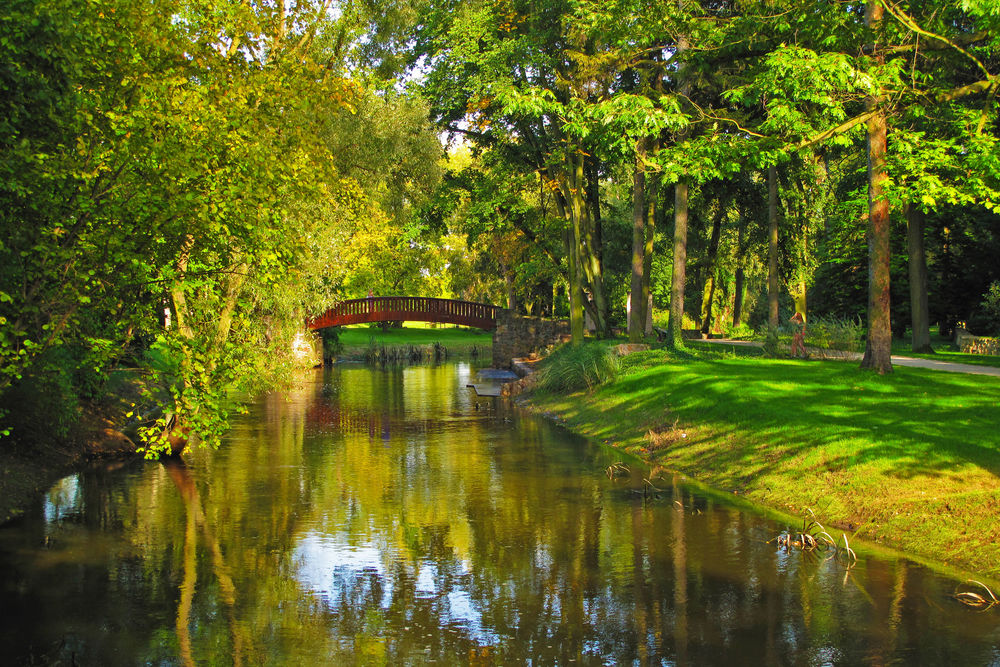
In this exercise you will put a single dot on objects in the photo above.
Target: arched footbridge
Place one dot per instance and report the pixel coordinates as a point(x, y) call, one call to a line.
point(408, 309)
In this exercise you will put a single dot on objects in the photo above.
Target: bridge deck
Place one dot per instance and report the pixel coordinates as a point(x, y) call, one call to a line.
point(408, 309)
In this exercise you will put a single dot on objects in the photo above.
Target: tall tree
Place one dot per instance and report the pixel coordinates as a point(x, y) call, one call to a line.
point(878, 349)
point(187, 165)
point(640, 212)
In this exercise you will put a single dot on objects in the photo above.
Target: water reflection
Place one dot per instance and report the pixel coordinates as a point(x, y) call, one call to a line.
point(376, 516)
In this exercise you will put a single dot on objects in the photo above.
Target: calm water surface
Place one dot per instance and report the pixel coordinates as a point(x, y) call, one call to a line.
point(377, 517)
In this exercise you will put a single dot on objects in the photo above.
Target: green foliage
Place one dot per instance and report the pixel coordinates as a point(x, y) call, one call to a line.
point(243, 170)
point(206, 159)
point(770, 347)
point(332, 344)
point(742, 331)
point(991, 309)
point(576, 367)
point(835, 333)
point(43, 404)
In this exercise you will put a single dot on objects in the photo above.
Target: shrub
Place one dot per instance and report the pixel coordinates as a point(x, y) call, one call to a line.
point(742, 331)
point(43, 405)
point(835, 333)
point(332, 346)
point(991, 308)
point(575, 367)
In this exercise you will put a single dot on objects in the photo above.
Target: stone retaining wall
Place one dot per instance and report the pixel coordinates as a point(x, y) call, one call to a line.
point(517, 336)
point(970, 344)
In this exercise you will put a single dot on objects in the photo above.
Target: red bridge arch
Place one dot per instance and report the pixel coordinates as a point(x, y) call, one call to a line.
point(410, 309)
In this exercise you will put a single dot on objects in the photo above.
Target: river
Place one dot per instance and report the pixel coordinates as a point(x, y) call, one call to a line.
point(388, 517)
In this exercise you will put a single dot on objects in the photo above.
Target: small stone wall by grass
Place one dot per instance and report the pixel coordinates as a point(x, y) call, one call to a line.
point(517, 336)
point(970, 344)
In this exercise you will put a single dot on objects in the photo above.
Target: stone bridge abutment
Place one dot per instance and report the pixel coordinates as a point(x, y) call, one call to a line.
point(517, 336)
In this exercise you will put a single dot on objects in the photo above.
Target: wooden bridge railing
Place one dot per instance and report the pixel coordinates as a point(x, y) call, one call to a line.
point(408, 308)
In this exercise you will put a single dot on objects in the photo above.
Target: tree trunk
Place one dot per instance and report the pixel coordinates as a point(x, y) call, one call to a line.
point(589, 249)
point(592, 179)
point(676, 320)
point(511, 295)
point(878, 350)
point(738, 296)
point(234, 287)
point(574, 287)
point(508, 279)
point(713, 253)
point(575, 292)
point(920, 318)
point(175, 433)
point(595, 238)
point(637, 304)
point(772, 247)
point(647, 271)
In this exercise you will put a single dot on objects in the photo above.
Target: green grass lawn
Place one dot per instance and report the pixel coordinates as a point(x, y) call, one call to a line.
point(457, 340)
point(911, 459)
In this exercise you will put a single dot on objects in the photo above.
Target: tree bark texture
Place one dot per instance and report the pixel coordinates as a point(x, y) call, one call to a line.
point(878, 350)
point(637, 304)
point(647, 271)
point(713, 253)
point(590, 258)
point(574, 287)
point(595, 239)
point(575, 292)
point(738, 288)
point(679, 274)
point(675, 322)
point(583, 242)
point(772, 247)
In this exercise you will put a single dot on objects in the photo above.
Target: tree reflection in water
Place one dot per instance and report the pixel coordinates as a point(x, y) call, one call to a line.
point(195, 519)
point(373, 516)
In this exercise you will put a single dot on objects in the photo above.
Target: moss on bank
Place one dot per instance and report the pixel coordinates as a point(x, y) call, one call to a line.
point(910, 460)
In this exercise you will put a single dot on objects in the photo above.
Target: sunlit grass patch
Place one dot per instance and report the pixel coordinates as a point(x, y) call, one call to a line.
point(458, 340)
point(908, 458)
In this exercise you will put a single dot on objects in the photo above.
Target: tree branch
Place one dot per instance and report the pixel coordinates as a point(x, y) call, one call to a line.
point(910, 23)
point(985, 85)
point(840, 129)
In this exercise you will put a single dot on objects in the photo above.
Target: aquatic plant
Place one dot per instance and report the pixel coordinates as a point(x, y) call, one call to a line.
point(617, 469)
point(402, 354)
point(970, 597)
point(576, 367)
point(814, 538)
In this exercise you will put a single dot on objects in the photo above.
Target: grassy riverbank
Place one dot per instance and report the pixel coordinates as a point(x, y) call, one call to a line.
point(910, 460)
point(459, 341)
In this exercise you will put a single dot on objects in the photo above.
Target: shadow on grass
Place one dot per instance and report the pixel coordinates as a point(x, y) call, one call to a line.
point(827, 414)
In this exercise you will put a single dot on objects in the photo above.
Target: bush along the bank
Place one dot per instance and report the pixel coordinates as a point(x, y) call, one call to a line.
point(576, 367)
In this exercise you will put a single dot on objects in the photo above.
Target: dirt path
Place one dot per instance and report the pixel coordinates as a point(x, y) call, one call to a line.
point(897, 360)
point(948, 366)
